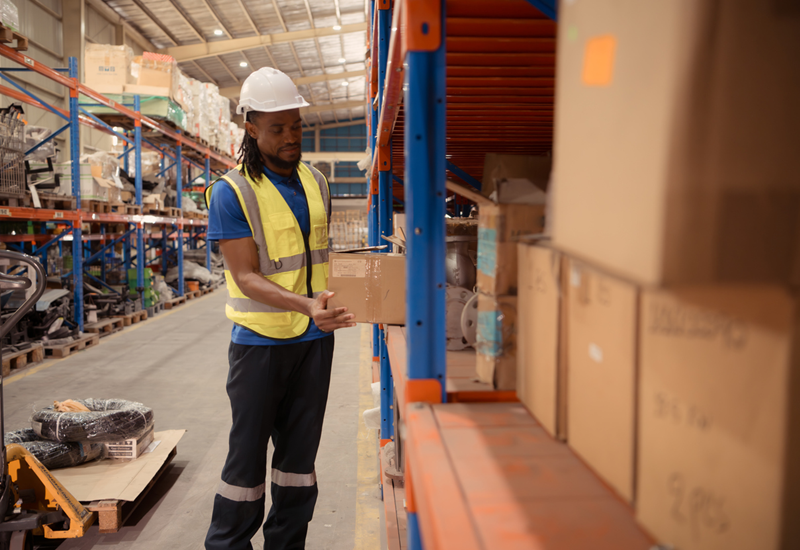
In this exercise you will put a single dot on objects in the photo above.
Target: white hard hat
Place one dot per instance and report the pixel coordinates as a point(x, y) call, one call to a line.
point(268, 90)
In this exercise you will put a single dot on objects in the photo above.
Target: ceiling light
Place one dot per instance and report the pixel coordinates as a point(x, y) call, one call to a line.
point(342, 60)
point(337, 27)
point(217, 32)
point(243, 64)
point(345, 83)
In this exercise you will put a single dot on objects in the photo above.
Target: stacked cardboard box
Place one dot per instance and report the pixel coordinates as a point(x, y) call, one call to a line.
point(659, 329)
point(499, 224)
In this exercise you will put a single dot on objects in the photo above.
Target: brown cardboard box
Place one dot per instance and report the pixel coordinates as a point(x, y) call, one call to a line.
point(496, 346)
point(541, 359)
point(107, 68)
point(498, 226)
point(664, 171)
point(371, 286)
point(601, 373)
point(719, 418)
point(498, 167)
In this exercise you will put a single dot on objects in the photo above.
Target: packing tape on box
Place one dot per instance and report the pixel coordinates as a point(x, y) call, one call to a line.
point(496, 329)
point(487, 250)
point(373, 286)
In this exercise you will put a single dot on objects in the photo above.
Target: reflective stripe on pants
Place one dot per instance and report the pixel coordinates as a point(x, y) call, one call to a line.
point(279, 392)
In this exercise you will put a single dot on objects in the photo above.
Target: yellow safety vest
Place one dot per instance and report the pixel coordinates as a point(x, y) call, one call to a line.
point(283, 253)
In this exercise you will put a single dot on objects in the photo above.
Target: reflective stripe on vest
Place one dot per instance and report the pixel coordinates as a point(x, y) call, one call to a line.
point(281, 249)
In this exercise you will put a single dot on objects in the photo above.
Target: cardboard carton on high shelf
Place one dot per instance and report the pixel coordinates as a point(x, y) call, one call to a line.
point(541, 335)
point(719, 417)
point(129, 449)
point(601, 336)
point(154, 76)
point(496, 346)
point(107, 68)
point(663, 172)
point(372, 286)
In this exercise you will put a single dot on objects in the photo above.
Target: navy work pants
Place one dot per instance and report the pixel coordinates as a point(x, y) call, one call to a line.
point(278, 392)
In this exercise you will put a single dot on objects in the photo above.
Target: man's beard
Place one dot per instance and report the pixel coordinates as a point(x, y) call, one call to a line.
point(281, 164)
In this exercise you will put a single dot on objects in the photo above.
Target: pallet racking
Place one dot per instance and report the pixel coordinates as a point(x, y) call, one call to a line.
point(169, 142)
point(451, 80)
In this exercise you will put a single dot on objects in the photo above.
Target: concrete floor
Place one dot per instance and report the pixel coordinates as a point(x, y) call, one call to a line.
point(177, 364)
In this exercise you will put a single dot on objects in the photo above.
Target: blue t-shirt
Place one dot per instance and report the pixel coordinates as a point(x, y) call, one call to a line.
point(226, 220)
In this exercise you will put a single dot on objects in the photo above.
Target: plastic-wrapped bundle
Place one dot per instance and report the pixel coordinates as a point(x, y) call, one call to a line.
point(109, 420)
point(53, 454)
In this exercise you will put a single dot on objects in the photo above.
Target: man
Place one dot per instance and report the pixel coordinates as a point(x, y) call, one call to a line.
point(270, 215)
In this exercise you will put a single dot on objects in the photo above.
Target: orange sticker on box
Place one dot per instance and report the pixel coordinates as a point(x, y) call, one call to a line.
point(598, 60)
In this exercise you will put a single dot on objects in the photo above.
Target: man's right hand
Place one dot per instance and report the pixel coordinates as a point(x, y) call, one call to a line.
point(328, 320)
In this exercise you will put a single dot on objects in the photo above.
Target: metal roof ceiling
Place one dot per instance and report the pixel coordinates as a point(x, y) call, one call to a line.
point(319, 43)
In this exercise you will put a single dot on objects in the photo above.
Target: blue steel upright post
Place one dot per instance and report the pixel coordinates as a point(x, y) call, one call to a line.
point(384, 207)
point(208, 243)
point(372, 213)
point(425, 147)
point(137, 164)
point(75, 156)
point(179, 186)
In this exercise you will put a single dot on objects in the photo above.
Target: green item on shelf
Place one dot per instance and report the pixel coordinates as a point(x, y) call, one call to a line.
point(151, 106)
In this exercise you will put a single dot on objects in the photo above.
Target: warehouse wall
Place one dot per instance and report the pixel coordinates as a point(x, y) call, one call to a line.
point(40, 21)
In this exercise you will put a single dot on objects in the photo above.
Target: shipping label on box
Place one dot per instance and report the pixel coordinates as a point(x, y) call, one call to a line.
point(371, 286)
point(541, 380)
point(129, 449)
point(496, 345)
point(601, 373)
point(499, 226)
point(719, 418)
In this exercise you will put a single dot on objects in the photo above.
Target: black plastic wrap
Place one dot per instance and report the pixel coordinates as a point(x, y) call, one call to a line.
point(110, 420)
point(54, 455)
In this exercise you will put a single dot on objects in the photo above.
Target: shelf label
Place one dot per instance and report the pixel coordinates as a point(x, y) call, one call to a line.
point(5, 212)
point(58, 215)
point(28, 60)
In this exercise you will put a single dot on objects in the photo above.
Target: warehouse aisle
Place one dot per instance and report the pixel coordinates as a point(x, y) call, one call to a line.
point(177, 364)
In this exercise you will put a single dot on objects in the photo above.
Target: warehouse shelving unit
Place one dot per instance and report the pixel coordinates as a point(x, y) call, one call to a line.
point(451, 81)
point(171, 143)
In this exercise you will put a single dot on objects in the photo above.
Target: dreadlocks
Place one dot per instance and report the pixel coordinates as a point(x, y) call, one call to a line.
point(249, 154)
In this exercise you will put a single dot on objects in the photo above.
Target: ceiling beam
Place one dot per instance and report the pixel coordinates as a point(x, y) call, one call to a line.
point(233, 91)
point(210, 49)
point(332, 106)
point(151, 16)
point(110, 15)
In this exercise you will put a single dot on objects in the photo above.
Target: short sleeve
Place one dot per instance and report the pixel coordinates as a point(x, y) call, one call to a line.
point(226, 219)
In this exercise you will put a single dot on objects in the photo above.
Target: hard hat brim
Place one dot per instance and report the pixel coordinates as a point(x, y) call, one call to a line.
point(243, 109)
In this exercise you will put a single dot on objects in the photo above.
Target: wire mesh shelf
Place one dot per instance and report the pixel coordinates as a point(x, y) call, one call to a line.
point(12, 155)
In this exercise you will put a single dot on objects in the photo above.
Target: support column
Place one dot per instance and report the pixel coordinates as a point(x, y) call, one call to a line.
point(425, 149)
point(384, 215)
point(208, 243)
point(74, 152)
point(179, 203)
point(141, 259)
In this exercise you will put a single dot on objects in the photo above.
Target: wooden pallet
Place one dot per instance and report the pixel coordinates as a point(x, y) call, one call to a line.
point(8, 35)
point(192, 294)
point(112, 514)
point(168, 212)
point(126, 209)
point(64, 350)
point(19, 359)
point(208, 290)
point(128, 320)
point(175, 302)
point(158, 308)
point(99, 207)
point(106, 327)
point(51, 201)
